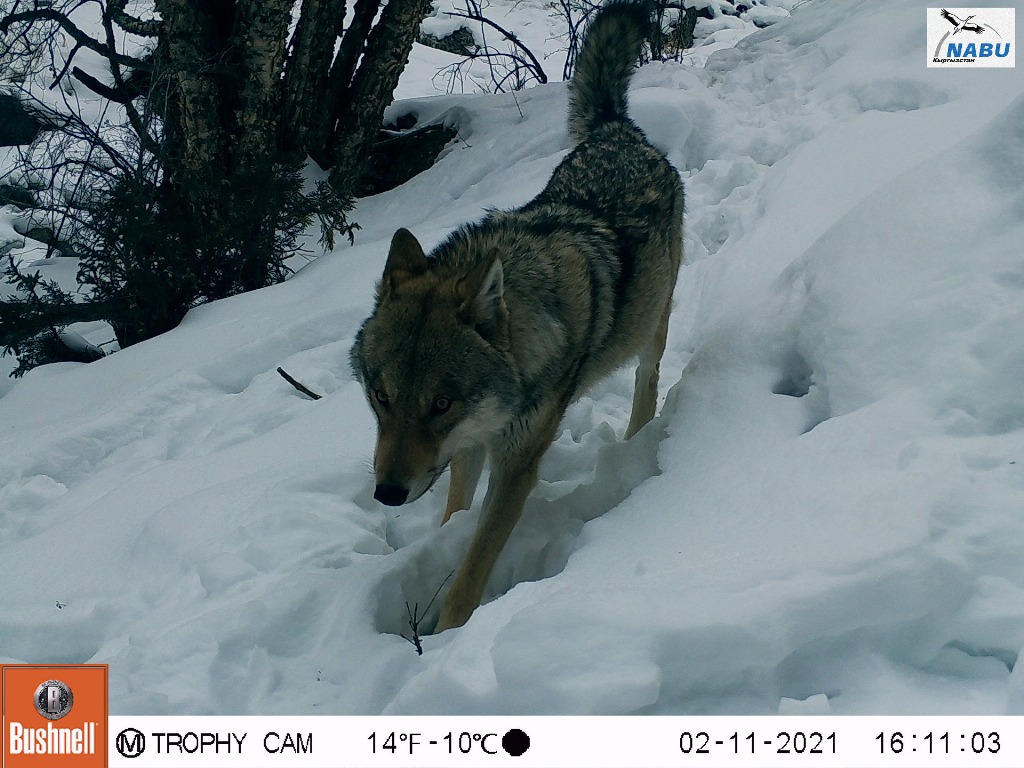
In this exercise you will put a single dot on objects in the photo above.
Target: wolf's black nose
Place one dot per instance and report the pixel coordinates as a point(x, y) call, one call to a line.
point(392, 495)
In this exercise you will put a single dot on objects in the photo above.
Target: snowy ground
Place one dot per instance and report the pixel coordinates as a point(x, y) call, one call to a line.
point(827, 515)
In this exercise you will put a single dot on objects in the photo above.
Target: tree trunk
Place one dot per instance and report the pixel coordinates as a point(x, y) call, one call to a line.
point(194, 136)
point(264, 32)
point(360, 115)
point(342, 71)
point(210, 201)
point(307, 74)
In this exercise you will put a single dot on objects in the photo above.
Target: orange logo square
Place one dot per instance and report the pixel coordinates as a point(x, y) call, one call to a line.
point(53, 715)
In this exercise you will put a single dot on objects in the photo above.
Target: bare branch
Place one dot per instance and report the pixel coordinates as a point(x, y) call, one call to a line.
point(67, 65)
point(69, 27)
point(415, 617)
point(147, 28)
point(535, 66)
point(298, 385)
point(148, 142)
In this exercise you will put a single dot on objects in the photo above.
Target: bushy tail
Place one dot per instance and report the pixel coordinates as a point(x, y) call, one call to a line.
point(597, 94)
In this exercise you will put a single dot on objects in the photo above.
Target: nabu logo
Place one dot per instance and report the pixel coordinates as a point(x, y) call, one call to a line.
point(971, 37)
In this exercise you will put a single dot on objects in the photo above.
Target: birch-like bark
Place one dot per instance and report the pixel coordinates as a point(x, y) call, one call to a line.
point(361, 114)
point(304, 107)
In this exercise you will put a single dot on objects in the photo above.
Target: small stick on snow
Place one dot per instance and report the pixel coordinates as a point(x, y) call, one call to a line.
point(415, 617)
point(298, 385)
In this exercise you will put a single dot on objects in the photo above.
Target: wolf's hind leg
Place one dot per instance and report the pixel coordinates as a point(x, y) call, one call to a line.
point(645, 391)
point(467, 465)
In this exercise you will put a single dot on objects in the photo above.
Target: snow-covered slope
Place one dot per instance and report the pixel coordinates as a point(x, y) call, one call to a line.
point(831, 501)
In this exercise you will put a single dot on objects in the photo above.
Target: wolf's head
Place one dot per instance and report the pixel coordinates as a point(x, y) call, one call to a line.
point(433, 360)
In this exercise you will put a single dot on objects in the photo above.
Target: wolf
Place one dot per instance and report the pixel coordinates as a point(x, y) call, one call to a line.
point(475, 351)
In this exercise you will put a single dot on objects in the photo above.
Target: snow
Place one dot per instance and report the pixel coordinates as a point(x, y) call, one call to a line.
point(827, 516)
point(535, 23)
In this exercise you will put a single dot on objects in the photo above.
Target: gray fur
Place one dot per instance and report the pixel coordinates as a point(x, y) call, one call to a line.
point(597, 94)
point(480, 347)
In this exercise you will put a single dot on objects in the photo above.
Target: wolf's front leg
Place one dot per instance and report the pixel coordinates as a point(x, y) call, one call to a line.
point(513, 475)
point(467, 465)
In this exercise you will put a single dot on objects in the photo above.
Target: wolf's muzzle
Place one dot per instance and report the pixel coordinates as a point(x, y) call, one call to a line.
point(392, 495)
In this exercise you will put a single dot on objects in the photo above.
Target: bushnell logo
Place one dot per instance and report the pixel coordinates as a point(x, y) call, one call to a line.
point(53, 699)
point(53, 715)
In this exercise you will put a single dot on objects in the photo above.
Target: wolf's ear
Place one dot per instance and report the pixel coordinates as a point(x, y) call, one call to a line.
point(481, 293)
point(405, 260)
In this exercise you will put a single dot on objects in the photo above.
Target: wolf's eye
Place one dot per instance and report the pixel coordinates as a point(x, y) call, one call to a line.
point(441, 405)
point(381, 397)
